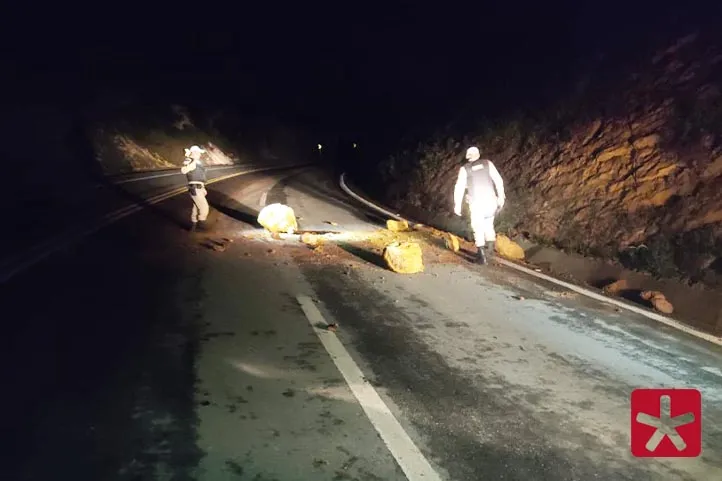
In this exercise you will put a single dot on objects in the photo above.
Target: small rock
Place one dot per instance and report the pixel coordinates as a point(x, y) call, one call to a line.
point(649, 295)
point(311, 240)
point(397, 225)
point(508, 248)
point(452, 242)
point(658, 301)
point(219, 247)
point(616, 287)
point(662, 305)
point(332, 327)
point(330, 222)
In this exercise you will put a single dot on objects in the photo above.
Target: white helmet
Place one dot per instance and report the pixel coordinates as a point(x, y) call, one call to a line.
point(193, 150)
point(472, 153)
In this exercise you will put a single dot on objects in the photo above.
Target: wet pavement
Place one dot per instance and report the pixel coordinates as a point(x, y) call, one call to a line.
point(140, 354)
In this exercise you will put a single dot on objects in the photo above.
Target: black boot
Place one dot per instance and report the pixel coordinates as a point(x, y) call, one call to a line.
point(480, 256)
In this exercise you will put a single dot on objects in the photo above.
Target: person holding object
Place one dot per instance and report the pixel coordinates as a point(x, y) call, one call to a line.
point(485, 197)
point(195, 172)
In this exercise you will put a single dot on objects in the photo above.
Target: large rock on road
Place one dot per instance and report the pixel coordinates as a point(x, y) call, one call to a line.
point(278, 218)
point(404, 257)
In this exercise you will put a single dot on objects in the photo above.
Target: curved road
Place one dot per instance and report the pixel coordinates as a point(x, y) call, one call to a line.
point(148, 353)
point(48, 219)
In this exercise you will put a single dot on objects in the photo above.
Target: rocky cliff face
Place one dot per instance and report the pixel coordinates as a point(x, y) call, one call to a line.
point(121, 145)
point(132, 137)
point(633, 171)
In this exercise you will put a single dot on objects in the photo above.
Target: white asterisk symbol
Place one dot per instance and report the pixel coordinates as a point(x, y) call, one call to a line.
point(666, 425)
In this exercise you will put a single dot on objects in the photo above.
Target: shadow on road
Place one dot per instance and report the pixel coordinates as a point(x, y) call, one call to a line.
point(232, 208)
point(155, 209)
point(325, 189)
point(467, 255)
point(363, 254)
point(98, 360)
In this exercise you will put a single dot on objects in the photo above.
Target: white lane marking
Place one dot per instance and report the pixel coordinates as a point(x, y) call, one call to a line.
point(138, 179)
point(262, 202)
point(580, 290)
point(409, 457)
point(40, 251)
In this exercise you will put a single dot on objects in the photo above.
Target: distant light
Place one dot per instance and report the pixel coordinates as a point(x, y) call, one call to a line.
point(355, 145)
point(320, 146)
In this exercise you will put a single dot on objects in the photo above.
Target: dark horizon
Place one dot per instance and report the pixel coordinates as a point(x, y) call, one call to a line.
point(333, 69)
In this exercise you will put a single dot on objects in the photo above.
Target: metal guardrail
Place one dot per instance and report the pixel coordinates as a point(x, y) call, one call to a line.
point(668, 321)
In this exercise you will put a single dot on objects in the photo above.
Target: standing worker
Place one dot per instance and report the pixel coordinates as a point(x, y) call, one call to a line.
point(485, 196)
point(196, 174)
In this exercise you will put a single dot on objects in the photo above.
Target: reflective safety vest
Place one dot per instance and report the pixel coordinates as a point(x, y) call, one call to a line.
point(198, 174)
point(479, 182)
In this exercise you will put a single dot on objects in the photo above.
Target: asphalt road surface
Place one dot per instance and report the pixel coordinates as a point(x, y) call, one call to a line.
point(40, 217)
point(149, 353)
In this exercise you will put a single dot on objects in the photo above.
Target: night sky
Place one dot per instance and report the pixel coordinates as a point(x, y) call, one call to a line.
point(352, 67)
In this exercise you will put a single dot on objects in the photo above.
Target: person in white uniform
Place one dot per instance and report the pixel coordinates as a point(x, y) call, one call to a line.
point(195, 172)
point(485, 196)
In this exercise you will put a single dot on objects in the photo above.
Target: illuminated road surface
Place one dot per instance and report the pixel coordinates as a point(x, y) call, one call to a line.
point(141, 354)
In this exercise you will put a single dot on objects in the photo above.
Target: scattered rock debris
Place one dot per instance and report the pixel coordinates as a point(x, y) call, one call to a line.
point(452, 242)
point(397, 225)
point(317, 463)
point(311, 240)
point(404, 257)
point(562, 294)
point(658, 301)
point(616, 287)
point(218, 245)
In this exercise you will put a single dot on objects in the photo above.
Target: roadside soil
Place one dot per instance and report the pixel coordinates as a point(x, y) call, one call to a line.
point(698, 306)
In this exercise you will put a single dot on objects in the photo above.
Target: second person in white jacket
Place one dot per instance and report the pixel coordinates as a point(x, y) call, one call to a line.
point(485, 196)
